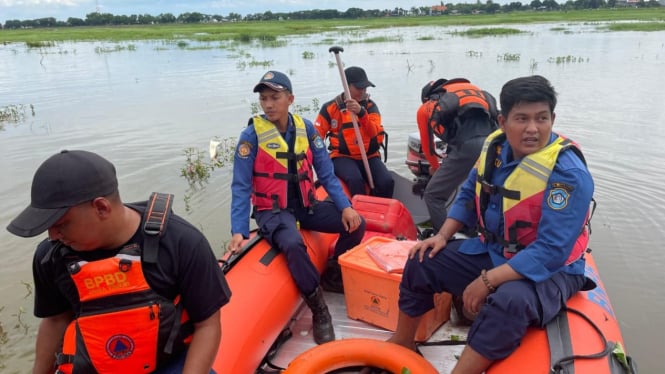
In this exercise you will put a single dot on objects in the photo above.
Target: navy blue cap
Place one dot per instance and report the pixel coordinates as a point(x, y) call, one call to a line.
point(274, 80)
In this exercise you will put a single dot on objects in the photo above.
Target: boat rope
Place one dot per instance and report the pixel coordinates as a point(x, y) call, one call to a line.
point(558, 367)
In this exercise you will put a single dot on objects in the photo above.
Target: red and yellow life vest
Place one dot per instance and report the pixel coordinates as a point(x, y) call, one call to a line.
point(523, 194)
point(271, 167)
point(122, 326)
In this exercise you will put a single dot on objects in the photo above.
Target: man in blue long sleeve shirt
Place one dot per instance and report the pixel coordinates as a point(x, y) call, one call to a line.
point(530, 193)
point(273, 168)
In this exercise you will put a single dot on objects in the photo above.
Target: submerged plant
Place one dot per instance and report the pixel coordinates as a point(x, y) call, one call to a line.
point(567, 59)
point(198, 167)
point(14, 113)
point(533, 65)
point(304, 109)
point(509, 57)
point(488, 31)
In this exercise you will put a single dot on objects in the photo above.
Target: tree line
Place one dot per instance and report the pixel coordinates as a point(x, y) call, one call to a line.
point(489, 7)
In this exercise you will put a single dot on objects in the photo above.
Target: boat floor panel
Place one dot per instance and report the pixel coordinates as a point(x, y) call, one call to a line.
point(443, 358)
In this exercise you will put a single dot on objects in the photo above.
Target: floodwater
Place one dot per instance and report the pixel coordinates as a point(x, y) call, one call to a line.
point(143, 104)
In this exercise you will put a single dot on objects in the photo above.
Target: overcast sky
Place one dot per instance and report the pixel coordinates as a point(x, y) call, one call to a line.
point(63, 9)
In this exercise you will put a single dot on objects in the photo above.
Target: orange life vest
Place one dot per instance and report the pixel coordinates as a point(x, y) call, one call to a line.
point(453, 99)
point(342, 136)
point(523, 194)
point(122, 325)
point(271, 167)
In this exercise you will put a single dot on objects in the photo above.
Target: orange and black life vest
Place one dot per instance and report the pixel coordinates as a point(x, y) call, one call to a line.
point(523, 194)
point(342, 136)
point(454, 98)
point(271, 167)
point(122, 325)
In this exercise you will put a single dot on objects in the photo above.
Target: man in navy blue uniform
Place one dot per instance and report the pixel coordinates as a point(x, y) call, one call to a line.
point(274, 170)
point(530, 193)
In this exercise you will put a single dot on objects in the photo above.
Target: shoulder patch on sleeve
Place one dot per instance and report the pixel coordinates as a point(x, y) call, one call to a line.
point(244, 149)
point(318, 143)
point(558, 198)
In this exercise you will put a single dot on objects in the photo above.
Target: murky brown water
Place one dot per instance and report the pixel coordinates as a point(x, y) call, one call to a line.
point(142, 108)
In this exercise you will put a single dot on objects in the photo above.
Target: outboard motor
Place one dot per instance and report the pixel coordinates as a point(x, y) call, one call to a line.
point(418, 164)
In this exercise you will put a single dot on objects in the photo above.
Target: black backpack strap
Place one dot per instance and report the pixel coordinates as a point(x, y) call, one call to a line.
point(155, 218)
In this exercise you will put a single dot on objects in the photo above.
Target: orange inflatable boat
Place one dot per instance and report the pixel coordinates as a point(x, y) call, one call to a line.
point(584, 339)
point(263, 301)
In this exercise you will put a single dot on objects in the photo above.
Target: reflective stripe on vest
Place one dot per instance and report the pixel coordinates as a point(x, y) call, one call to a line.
point(522, 195)
point(343, 136)
point(271, 167)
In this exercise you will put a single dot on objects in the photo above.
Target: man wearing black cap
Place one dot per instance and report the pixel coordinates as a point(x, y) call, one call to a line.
point(335, 121)
point(273, 171)
point(116, 291)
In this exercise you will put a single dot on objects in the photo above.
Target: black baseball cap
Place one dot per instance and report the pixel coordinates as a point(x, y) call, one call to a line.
point(64, 180)
point(357, 77)
point(274, 80)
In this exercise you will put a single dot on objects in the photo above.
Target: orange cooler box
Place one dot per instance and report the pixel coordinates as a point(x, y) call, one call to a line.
point(371, 293)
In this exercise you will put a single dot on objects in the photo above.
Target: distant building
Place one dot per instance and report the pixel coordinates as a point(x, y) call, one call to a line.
point(436, 10)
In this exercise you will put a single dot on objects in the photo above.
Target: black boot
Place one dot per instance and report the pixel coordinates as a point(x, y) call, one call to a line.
point(331, 279)
point(321, 320)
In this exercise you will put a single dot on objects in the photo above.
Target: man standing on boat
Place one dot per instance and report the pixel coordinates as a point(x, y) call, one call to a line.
point(273, 169)
point(530, 193)
point(132, 287)
point(335, 121)
point(461, 115)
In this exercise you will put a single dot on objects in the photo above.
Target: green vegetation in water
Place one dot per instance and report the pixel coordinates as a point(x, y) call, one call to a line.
point(14, 113)
point(308, 55)
point(637, 26)
point(199, 167)
point(491, 31)
point(313, 108)
point(264, 30)
point(19, 324)
point(508, 57)
point(115, 48)
point(567, 59)
point(379, 39)
point(474, 53)
point(242, 65)
point(533, 66)
point(428, 37)
point(39, 44)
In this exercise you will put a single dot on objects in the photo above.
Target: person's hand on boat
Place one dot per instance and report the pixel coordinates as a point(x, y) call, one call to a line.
point(436, 242)
point(351, 219)
point(235, 244)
